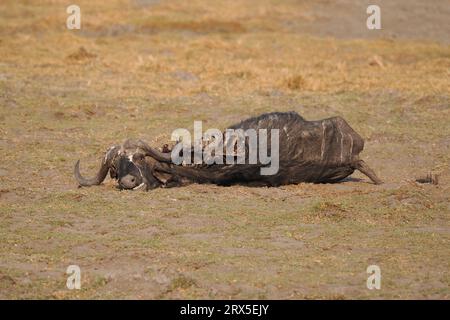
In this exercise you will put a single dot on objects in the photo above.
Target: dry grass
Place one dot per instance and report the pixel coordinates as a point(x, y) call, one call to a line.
point(146, 70)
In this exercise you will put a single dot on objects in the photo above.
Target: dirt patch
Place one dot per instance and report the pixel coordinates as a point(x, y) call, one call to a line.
point(399, 20)
point(81, 54)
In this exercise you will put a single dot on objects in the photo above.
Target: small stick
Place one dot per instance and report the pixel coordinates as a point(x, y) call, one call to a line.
point(431, 178)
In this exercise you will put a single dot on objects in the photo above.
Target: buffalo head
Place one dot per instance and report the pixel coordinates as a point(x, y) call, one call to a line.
point(128, 165)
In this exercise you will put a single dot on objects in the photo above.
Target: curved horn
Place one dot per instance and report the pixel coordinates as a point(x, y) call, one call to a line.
point(101, 174)
point(157, 155)
point(84, 182)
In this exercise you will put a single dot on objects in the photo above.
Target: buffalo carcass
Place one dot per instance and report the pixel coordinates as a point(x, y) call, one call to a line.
point(321, 151)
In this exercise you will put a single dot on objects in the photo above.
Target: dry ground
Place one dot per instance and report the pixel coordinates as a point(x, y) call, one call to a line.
point(143, 68)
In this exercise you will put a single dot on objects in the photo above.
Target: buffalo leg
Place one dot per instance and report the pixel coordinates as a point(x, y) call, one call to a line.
point(364, 168)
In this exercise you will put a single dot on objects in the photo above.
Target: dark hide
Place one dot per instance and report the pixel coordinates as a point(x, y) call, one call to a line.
point(309, 151)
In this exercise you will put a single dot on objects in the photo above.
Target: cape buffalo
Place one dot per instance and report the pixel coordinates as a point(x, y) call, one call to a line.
point(309, 151)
